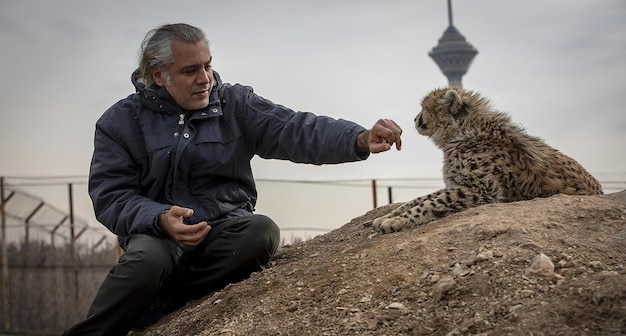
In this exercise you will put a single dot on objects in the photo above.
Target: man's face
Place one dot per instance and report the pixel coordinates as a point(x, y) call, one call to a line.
point(189, 76)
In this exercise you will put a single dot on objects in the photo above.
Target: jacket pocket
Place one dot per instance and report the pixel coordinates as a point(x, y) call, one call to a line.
point(219, 148)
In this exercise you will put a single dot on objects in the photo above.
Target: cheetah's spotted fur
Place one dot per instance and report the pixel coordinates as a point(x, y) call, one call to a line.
point(487, 159)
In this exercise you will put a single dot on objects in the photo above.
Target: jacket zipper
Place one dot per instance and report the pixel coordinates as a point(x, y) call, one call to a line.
point(181, 128)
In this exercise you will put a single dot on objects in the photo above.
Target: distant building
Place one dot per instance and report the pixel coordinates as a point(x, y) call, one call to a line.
point(453, 54)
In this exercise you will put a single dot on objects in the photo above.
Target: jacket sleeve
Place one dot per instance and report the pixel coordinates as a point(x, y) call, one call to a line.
point(281, 133)
point(114, 186)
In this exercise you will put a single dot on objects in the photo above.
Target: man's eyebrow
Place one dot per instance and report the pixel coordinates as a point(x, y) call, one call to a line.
point(189, 67)
point(195, 66)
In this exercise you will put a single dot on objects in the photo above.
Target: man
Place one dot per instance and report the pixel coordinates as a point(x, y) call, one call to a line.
point(171, 176)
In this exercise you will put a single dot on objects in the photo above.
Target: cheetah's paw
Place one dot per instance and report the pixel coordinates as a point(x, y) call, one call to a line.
point(390, 224)
point(378, 221)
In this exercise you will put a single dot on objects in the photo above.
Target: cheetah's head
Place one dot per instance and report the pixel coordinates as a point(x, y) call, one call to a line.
point(443, 112)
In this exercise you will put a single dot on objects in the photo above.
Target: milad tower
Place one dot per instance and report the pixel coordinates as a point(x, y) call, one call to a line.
point(453, 54)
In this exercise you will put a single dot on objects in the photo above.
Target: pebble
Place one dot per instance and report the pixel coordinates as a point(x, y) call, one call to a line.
point(598, 265)
point(526, 293)
point(459, 270)
point(396, 305)
point(541, 265)
point(445, 285)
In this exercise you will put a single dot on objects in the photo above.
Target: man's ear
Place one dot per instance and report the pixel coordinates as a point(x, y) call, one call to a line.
point(158, 76)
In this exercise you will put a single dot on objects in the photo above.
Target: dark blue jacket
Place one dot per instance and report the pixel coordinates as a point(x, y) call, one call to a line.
point(149, 154)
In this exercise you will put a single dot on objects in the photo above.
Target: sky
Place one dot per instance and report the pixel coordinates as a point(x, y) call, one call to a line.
point(558, 67)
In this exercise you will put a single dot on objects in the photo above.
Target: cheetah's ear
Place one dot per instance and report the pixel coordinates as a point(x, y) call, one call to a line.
point(453, 101)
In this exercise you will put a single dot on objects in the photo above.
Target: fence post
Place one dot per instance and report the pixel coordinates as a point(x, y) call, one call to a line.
point(6, 306)
point(74, 256)
point(374, 194)
point(389, 196)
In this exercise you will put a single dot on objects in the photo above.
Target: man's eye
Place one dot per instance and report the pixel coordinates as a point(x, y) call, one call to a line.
point(207, 67)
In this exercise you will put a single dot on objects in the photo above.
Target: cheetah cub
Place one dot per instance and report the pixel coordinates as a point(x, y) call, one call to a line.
point(487, 159)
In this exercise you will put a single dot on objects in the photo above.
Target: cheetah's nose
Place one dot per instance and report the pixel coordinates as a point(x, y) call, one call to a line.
point(420, 123)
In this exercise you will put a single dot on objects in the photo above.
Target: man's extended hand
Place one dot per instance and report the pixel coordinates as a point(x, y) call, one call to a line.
point(187, 234)
point(380, 138)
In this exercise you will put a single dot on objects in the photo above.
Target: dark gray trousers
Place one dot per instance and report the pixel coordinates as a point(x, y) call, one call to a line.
point(154, 268)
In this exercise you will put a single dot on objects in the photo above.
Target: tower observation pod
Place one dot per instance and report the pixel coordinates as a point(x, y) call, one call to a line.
point(453, 54)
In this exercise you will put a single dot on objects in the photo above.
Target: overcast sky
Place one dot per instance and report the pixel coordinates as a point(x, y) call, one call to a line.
point(558, 67)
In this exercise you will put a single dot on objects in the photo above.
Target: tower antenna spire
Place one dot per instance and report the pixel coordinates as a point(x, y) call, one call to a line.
point(450, 13)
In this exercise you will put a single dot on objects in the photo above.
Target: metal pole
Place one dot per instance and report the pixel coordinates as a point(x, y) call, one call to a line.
point(374, 194)
point(73, 243)
point(71, 209)
point(6, 307)
point(389, 195)
point(27, 225)
point(53, 232)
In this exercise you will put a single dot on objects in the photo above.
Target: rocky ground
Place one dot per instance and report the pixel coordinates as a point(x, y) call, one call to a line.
point(554, 266)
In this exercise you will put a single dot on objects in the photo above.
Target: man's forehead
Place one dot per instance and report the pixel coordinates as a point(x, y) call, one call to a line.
point(191, 52)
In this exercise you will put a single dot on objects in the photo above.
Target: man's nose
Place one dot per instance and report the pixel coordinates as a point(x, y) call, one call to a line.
point(204, 76)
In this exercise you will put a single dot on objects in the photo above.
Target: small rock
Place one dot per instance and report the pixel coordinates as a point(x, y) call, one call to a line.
point(372, 322)
point(483, 256)
point(526, 293)
point(459, 270)
point(396, 305)
point(365, 299)
point(444, 286)
point(293, 306)
point(541, 265)
point(598, 265)
point(515, 308)
point(434, 278)
point(563, 263)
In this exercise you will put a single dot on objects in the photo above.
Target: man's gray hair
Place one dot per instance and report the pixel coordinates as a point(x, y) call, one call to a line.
point(156, 48)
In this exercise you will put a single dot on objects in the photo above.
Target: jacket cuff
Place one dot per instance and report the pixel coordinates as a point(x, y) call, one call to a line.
point(155, 224)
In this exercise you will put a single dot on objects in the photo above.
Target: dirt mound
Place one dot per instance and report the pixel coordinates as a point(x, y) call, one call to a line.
point(552, 266)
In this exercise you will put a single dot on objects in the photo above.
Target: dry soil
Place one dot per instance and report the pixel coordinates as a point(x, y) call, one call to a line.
point(553, 266)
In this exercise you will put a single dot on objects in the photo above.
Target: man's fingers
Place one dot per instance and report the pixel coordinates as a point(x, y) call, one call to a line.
point(397, 132)
point(192, 234)
point(379, 147)
point(385, 133)
point(179, 211)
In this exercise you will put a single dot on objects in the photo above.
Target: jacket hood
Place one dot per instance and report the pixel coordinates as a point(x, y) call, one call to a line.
point(156, 98)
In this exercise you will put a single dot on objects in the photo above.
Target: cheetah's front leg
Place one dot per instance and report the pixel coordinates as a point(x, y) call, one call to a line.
point(427, 209)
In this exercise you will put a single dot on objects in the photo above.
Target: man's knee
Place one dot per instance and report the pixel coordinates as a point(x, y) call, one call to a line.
point(251, 239)
point(264, 233)
point(148, 261)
